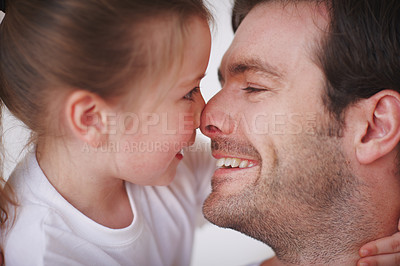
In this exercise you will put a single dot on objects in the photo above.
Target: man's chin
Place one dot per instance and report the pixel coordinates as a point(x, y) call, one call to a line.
point(223, 209)
point(212, 210)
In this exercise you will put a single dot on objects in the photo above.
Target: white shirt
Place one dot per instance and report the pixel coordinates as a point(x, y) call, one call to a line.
point(50, 231)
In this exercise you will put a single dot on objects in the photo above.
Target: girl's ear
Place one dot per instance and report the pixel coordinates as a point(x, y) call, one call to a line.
point(86, 115)
point(381, 132)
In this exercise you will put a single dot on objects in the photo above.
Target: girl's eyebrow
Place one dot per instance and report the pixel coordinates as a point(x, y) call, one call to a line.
point(201, 76)
point(188, 82)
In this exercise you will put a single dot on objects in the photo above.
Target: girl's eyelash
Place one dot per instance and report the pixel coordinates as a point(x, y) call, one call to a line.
point(253, 90)
point(190, 94)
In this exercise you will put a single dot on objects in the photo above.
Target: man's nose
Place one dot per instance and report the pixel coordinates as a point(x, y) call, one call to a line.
point(216, 118)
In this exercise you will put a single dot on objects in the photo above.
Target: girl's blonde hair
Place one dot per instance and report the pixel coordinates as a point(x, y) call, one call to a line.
point(102, 46)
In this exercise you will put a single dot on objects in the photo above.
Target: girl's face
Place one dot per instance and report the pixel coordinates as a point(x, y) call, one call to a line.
point(148, 149)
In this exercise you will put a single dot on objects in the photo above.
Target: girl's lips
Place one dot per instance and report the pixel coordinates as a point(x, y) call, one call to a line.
point(179, 155)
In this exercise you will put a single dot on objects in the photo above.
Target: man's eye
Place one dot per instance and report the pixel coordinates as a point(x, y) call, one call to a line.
point(190, 95)
point(253, 90)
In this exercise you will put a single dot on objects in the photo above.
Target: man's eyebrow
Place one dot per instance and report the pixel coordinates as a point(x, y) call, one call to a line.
point(220, 76)
point(255, 65)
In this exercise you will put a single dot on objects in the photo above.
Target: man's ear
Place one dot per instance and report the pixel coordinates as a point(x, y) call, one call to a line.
point(86, 117)
point(381, 132)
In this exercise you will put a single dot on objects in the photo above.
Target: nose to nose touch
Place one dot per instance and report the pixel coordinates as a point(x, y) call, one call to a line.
point(198, 112)
point(196, 121)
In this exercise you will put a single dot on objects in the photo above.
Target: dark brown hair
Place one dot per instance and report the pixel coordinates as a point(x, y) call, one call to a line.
point(359, 56)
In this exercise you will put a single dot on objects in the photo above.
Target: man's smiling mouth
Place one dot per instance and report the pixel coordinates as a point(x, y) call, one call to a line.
point(228, 163)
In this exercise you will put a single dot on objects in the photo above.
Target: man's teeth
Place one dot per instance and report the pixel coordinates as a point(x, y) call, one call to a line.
point(233, 163)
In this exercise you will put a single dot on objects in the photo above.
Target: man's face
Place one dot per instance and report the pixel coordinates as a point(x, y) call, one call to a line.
point(284, 175)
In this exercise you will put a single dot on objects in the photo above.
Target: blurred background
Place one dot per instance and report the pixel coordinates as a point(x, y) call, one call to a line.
point(213, 246)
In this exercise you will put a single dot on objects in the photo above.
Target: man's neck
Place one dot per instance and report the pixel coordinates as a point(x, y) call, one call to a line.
point(274, 261)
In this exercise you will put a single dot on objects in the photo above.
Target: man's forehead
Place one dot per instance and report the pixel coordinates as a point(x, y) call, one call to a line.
point(272, 31)
point(276, 18)
point(314, 9)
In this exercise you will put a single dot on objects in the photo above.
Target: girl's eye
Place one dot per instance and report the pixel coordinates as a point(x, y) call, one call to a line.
point(190, 95)
point(253, 90)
